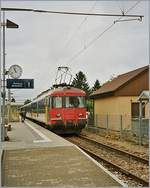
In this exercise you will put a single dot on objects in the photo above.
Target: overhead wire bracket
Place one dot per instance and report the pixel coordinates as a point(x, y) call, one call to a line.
point(126, 20)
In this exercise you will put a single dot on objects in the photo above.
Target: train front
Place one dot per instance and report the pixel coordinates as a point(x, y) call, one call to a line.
point(68, 112)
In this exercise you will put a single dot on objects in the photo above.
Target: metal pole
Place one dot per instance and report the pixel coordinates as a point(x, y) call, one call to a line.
point(9, 105)
point(120, 127)
point(107, 128)
point(0, 80)
point(96, 120)
point(4, 92)
point(140, 123)
point(0, 103)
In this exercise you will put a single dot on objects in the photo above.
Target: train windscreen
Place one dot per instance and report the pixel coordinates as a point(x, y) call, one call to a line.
point(75, 102)
point(57, 102)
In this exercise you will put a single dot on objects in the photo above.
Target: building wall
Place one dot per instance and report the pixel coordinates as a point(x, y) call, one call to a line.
point(111, 108)
point(114, 105)
point(12, 112)
point(135, 86)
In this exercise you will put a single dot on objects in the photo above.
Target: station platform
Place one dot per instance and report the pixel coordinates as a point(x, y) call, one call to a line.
point(34, 156)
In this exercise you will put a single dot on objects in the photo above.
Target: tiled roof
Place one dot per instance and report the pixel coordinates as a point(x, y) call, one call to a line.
point(118, 81)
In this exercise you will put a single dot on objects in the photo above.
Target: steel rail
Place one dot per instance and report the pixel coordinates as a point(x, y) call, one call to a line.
point(122, 170)
point(130, 155)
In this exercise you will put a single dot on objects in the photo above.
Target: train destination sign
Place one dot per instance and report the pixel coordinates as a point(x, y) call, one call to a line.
point(20, 83)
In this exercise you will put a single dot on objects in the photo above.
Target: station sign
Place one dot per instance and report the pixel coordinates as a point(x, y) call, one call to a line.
point(20, 83)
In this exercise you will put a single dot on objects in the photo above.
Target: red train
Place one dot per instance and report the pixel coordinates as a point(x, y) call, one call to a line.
point(62, 109)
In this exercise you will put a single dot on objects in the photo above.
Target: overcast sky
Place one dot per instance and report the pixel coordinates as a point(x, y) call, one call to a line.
point(45, 41)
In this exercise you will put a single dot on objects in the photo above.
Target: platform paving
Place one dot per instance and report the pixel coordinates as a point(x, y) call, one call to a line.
point(55, 163)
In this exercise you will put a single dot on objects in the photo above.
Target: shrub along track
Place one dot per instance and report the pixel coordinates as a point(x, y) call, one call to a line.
point(133, 166)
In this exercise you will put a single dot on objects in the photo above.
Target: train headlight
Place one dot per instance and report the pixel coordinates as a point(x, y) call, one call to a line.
point(80, 114)
point(58, 115)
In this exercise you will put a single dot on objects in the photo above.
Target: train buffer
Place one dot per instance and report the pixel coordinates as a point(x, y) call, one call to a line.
point(37, 157)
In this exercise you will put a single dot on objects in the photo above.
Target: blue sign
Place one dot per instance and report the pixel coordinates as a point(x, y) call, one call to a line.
point(20, 83)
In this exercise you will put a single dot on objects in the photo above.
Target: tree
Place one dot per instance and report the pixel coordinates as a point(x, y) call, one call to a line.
point(27, 101)
point(80, 82)
point(96, 85)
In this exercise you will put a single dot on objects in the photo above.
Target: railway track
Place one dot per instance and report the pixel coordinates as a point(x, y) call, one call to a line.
point(122, 152)
point(109, 163)
point(124, 162)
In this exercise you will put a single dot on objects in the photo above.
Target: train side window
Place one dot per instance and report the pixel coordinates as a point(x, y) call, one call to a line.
point(49, 102)
point(34, 107)
point(41, 106)
point(29, 108)
point(57, 102)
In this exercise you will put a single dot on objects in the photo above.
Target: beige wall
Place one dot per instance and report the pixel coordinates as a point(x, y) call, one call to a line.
point(114, 107)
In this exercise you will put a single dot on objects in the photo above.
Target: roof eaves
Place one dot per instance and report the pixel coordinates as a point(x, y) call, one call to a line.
point(102, 95)
point(128, 81)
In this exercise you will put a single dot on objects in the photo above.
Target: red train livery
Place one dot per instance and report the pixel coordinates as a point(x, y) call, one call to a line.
point(61, 109)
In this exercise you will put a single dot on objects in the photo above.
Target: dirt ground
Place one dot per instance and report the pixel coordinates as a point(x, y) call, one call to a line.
point(124, 145)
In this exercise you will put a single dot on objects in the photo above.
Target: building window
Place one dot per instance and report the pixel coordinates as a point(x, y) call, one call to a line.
point(135, 110)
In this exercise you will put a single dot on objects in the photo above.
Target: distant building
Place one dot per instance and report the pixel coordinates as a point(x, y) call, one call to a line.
point(12, 111)
point(120, 96)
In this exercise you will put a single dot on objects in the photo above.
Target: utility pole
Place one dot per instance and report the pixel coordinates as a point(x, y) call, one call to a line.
point(0, 81)
point(3, 81)
point(0, 104)
point(9, 105)
point(4, 24)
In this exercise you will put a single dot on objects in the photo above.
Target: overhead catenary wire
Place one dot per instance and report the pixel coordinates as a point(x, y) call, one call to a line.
point(83, 21)
point(67, 13)
point(122, 9)
point(101, 34)
point(70, 13)
point(78, 14)
point(79, 26)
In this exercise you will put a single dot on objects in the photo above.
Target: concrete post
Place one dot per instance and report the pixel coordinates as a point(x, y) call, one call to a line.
point(96, 120)
point(120, 127)
point(140, 123)
point(107, 124)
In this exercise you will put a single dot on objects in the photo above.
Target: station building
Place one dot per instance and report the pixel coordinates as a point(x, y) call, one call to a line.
point(117, 100)
point(12, 111)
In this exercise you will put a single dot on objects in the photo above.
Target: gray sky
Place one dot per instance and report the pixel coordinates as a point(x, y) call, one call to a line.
point(45, 41)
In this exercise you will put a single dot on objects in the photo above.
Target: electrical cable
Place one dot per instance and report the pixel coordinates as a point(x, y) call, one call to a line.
point(101, 34)
point(79, 26)
point(65, 13)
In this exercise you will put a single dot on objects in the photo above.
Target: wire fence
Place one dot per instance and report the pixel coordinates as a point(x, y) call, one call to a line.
point(123, 127)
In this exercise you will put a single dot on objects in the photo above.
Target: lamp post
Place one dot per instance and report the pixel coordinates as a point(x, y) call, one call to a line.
point(7, 24)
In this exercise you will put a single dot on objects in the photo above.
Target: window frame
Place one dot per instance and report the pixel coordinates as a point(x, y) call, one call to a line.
point(136, 112)
point(83, 98)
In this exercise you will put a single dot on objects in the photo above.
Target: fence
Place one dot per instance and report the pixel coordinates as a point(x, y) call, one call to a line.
point(123, 127)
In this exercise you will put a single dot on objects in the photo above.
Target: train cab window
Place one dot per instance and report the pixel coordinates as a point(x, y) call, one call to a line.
point(75, 102)
point(57, 102)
